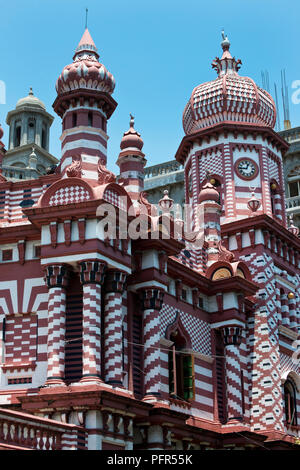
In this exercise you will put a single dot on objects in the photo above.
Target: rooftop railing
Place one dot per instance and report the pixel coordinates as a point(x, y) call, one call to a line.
point(162, 169)
point(20, 430)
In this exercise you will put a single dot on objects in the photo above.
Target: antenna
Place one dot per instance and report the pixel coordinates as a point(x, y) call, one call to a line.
point(265, 80)
point(285, 101)
point(277, 108)
point(86, 17)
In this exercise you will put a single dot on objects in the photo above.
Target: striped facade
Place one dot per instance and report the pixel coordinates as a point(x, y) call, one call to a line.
point(112, 342)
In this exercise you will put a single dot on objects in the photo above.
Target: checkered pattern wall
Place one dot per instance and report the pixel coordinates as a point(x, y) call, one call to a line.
point(199, 330)
point(112, 197)
point(69, 194)
point(264, 369)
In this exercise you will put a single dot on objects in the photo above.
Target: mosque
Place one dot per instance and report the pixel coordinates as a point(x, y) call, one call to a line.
point(164, 329)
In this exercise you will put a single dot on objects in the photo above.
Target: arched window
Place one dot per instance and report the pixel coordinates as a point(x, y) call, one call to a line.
point(290, 403)
point(181, 369)
point(74, 119)
point(44, 137)
point(221, 273)
point(273, 192)
point(218, 186)
point(17, 139)
point(90, 119)
point(31, 130)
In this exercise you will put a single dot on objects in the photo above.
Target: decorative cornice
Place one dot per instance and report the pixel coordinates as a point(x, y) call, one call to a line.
point(57, 275)
point(92, 272)
point(226, 127)
point(151, 298)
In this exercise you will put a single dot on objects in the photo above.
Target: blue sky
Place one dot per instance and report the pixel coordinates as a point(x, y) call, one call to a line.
point(157, 50)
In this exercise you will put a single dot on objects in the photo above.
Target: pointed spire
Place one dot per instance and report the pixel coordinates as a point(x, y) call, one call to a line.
point(227, 63)
point(86, 45)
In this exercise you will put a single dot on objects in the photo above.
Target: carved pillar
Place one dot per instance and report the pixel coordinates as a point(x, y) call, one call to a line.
point(113, 327)
point(56, 278)
point(151, 299)
point(92, 276)
point(232, 339)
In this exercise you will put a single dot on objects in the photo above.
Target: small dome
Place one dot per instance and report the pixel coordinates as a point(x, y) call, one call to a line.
point(85, 71)
point(131, 138)
point(30, 100)
point(208, 193)
point(228, 98)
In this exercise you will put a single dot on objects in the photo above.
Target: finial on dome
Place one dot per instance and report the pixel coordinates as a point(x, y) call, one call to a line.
point(131, 138)
point(30, 91)
point(225, 43)
point(86, 47)
point(227, 64)
point(131, 122)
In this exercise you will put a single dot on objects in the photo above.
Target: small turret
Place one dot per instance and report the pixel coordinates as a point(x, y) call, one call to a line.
point(131, 162)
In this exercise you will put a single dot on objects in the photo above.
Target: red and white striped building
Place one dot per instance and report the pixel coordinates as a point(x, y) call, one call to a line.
point(114, 341)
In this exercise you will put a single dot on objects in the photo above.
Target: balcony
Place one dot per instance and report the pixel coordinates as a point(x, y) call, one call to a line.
point(293, 205)
point(163, 174)
point(22, 431)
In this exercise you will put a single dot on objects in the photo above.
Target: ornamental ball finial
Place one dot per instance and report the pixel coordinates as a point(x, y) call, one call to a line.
point(225, 43)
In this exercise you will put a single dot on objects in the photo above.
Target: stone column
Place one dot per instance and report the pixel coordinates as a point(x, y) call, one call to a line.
point(151, 304)
point(292, 311)
point(56, 278)
point(285, 310)
point(232, 339)
point(113, 347)
point(91, 276)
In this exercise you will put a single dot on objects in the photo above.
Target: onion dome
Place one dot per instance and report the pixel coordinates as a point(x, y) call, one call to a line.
point(131, 139)
point(208, 193)
point(30, 100)
point(85, 71)
point(228, 98)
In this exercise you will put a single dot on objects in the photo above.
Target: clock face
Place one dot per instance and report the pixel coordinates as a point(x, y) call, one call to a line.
point(246, 168)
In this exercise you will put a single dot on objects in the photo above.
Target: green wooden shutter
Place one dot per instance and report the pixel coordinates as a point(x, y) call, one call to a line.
point(188, 377)
point(171, 373)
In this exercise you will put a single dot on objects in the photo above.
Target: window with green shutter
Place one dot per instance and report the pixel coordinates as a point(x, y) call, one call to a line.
point(188, 377)
point(181, 374)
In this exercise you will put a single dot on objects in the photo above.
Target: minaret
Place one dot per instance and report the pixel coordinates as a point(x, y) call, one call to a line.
point(85, 104)
point(229, 124)
point(131, 162)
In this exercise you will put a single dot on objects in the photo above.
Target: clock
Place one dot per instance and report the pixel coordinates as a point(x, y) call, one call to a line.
point(246, 168)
